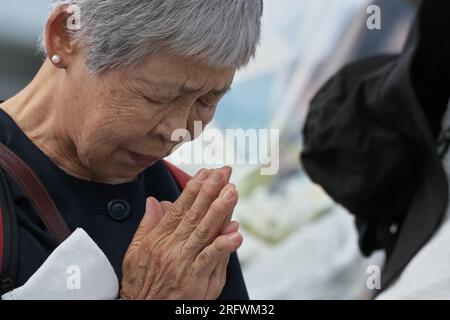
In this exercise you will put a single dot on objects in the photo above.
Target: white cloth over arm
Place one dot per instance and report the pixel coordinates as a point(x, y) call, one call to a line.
point(76, 270)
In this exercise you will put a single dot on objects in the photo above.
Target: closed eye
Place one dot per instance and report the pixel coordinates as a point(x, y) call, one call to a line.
point(203, 104)
point(208, 102)
point(221, 93)
point(158, 100)
point(212, 98)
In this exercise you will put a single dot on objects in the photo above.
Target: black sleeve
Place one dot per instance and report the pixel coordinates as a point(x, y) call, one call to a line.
point(235, 288)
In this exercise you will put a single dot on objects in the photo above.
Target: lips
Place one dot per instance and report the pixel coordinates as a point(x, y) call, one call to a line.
point(142, 160)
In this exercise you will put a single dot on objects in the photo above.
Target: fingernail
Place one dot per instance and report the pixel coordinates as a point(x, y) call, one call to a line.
point(235, 238)
point(234, 225)
point(202, 175)
point(228, 168)
point(217, 177)
point(229, 194)
point(197, 173)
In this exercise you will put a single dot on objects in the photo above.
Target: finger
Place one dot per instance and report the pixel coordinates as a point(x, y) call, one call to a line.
point(209, 191)
point(229, 217)
point(219, 275)
point(231, 227)
point(218, 279)
point(152, 216)
point(227, 171)
point(166, 206)
point(155, 212)
point(213, 254)
point(176, 211)
point(213, 222)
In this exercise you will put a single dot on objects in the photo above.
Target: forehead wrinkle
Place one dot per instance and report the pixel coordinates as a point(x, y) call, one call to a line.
point(174, 85)
point(183, 87)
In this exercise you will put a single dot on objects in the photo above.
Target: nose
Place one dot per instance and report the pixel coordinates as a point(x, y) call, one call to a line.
point(172, 124)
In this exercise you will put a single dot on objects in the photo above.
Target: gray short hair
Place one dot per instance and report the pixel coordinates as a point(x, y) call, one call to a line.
point(122, 33)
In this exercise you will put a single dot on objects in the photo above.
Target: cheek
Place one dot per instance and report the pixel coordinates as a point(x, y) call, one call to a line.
point(102, 133)
point(124, 120)
point(97, 141)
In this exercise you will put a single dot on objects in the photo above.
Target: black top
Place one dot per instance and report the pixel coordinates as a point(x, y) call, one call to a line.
point(110, 214)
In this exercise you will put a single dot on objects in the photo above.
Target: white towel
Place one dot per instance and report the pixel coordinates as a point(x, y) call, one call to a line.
point(76, 270)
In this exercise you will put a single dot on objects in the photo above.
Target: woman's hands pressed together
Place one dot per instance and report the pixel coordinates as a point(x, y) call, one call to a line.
point(181, 250)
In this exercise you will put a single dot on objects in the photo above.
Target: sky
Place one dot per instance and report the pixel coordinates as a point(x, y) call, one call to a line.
point(23, 20)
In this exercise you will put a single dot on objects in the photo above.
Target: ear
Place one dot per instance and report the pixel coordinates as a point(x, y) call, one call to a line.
point(58, 40)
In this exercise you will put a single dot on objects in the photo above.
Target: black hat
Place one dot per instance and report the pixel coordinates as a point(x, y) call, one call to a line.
point(370, 141)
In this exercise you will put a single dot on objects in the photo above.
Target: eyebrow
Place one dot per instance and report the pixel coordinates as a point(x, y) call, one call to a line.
point(183, 87)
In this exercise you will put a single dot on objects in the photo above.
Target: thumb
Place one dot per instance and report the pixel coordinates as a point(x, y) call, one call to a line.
point(152, 216)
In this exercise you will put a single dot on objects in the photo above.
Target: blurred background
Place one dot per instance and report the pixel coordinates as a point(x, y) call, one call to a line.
point(298, 244)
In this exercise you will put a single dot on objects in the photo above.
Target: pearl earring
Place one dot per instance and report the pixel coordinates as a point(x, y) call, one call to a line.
point(56, 59)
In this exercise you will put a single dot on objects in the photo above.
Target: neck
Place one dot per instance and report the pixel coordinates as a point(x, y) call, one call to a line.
point(39, 111)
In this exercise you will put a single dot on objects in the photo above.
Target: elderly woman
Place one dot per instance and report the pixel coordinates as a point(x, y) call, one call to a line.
point(93, 126)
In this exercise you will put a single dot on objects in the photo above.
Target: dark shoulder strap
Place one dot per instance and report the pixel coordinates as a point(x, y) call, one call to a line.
point(35, 190)
point(12, 165)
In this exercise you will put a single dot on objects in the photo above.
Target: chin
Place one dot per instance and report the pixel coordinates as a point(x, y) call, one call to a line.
point(116, 174)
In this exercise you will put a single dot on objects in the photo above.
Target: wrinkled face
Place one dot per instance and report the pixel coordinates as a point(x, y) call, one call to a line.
point(121, 121)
